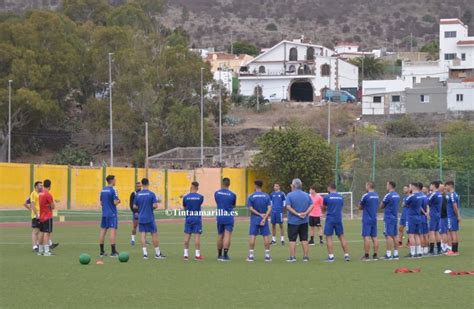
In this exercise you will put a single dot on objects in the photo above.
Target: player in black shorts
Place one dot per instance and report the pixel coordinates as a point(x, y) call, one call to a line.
point(138, 188)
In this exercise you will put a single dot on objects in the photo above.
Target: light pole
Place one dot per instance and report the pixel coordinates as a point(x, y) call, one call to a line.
point(110, 112)
point(329, 121)
point(146, 149)
point(202, 118)
point(220, 119)
point(9, 120)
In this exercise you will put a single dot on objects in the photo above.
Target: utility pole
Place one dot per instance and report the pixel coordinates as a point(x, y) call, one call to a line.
point(258, 97)
point(202, 118)
point(146, 149)
point(9, 120)
point(231, 42)
point(411, 42)
point(110, 112)
point(220, 119)
point(329, 121)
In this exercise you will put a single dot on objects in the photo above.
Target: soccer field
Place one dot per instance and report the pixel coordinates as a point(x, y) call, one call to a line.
point(60, 281)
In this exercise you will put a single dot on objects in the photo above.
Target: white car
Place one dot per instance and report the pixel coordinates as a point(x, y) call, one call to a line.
point(274, 98)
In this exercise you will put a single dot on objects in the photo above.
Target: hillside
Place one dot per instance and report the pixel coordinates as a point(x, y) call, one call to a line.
point(371, 23)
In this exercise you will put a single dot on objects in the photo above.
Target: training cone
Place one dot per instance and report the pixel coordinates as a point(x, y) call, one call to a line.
point(124, 257)
point(84, 259)
point(99, 262)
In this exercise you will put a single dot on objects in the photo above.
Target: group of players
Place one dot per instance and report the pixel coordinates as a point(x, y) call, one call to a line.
point(430, 216)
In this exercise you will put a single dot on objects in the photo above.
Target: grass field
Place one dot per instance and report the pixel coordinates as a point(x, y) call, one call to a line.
point(29, 280)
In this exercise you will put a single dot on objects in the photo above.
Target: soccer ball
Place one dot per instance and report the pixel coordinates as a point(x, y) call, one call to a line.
point(84, 259)
point(124, 257)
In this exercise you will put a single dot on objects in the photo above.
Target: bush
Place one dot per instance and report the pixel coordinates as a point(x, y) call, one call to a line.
point(73, 156)
point(403, 127)
point(271, 27)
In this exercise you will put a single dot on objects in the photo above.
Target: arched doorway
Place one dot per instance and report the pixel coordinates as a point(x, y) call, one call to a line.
point(301, 90)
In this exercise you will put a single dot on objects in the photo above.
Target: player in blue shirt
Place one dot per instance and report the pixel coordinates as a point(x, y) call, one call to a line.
point(425, 236)
point(403, 216)
point(108, 201)
point(390, 204)
point(260, 207)
point(454, 217)
point(276, 217)
point(192, 203)
point(332, 205)
point(435, 201)
point(369, 205)
point(225, 200)
point(414, 204)
point(298, 206)
point(146, 202)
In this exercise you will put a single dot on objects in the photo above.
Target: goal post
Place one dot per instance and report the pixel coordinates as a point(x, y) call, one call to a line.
point(348, 201)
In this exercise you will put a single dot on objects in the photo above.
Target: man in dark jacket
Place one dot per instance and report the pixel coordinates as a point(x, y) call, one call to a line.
point(138, 187)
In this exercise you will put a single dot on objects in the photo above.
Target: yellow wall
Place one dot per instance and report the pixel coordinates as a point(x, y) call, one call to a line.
point(14, 185)
point(86, 184)
point(58, 176)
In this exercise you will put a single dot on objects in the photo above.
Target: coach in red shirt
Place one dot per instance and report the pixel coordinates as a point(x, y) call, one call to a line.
point(46, 203)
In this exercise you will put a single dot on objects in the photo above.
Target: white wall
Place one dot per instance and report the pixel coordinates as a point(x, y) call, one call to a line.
point(422, 69)
point(385, 89)
point(269, 86)
point(450, 46)
point(467, 90)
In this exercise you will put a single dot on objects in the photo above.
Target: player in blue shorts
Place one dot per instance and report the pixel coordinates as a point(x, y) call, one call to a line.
point(434, 202)
point(332, 205)
point(146, 202)
point(390, 204)
point(369, 205)
point(425, 236)
point(225, 200)
point(109, 200)
point(138, 187)
point(192, 203)
point(414, 204)
point(260, 207)
point(403, 217)
point(454, 217)
point(443, 222)
point(276, 217)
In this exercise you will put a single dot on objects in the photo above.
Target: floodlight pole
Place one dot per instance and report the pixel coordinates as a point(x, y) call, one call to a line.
point(146, 149)
point(202, 118)
point(9, 120)
point(110, 112)
point(220, 119)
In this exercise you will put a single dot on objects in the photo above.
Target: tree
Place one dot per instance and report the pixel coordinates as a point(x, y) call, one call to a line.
point(295, 152)
point(271, 27)
point(241, 47)
point(86, 10)
point(373, 67)
point(73, 156)
point(432, 48)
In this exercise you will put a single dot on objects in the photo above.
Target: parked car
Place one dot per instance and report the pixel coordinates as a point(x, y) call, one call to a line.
point(274, 98)
point(339, 96)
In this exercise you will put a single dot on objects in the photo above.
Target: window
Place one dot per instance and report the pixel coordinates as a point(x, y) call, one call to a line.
point(424, 98)
point(325, 70)
point(293, 54)
point(463, 57)
point(450, 34)
point(459, 97)
point(310, 53)
point(449, 56)
point(261, 69)
point(413, 80)
point(395, 98)
point(377, 99)
point(292, 69)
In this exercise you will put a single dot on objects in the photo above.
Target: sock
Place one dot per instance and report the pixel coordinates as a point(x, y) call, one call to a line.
point(113, 249)
point(274, 238)
point(41, 249)
point(133, 237)
point(250, 253)
point(226, 252)
point(412, 250)
point(389, 253)
point(425, 250)
point(219, 252)
point(331, 256)
point(267, 252)
point(455, 246)
point(312, 238)
point(198, 253)
point(320, 237)
point(46, 248)
point(186, 252)
point(35, 246)
point(419, 250)
point(282, 238)
point(50, 243)
point(101, 248)
point(157, 251)
point(366, 255)
point(438, 246)
point(395, 252)
point(346, 254)
point(448, 247)
point(431, 247)
point(144, 251)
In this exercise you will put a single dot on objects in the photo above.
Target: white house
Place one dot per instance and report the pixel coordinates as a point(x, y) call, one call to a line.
point(456, 55)
point(346, 50)
point(461, 94)
point(297, 71)
point(381, 97)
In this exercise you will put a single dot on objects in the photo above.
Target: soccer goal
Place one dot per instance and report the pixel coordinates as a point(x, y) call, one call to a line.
point(348, 210)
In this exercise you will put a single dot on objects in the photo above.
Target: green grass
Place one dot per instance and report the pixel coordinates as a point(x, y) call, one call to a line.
point(61, 282)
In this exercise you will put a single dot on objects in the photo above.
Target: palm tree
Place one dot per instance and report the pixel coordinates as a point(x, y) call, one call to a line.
point(373, 67)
